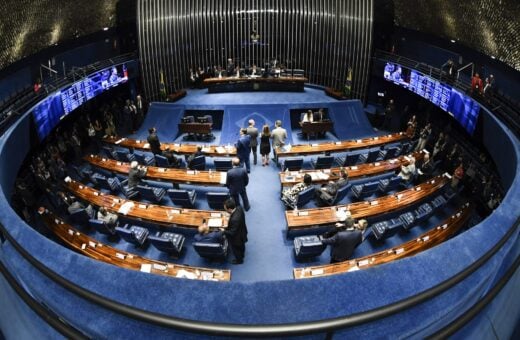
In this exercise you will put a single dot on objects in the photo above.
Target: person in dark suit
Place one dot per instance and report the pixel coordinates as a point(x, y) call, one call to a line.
point(252, 132)
point(135, 174)
point(155, 147)
point(344, 242)
point(190, 158)
point(205, 236)
point(243, 146)
point(236, 230)
point(326, 194)
point(236, 181)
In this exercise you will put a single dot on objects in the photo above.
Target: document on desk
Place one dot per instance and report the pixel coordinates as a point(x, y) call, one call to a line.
point(186, 274)
point(206, 149)
point(146, 267)
point(220, 149)
point(119, 141)
point(125, 208)
point(223, 177)
point(215, 222)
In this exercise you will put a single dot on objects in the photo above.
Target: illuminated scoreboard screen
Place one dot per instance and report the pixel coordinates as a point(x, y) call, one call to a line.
point(48, 113)
point(463, 108)
point(86, 89)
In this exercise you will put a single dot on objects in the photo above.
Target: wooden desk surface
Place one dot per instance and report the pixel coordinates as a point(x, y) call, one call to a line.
point(92, 248)
point(216, 80)
point(182, 176)
point(308, 218)
point(428, 240)
point(341, 146)
point(178, 148)
point(369, 169)
point(158, 214)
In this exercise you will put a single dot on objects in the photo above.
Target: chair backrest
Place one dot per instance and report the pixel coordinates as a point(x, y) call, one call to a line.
point(216, 199)
point(167, 242)
point(108, 152)
point(392, 184)
point(293, 164)
point(391, 152)
point(80, 217)
point(305, 196)
point(151, 193)
point(198, 163)
point(212, 250)
point(126, 234)
point(324, 162)
point(370, 187)
point(341, 193)
point(143, 159)
point(101, 227)
point(306, 247)
point(406, 148)
point(223, 164)
point(162, 161)
point(372, 156)
point(209, 118)
point(180, 197)
point(351, 159)
point(188, 119)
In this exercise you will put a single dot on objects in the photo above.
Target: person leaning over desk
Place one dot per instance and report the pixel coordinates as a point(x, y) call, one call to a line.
point(345, 239)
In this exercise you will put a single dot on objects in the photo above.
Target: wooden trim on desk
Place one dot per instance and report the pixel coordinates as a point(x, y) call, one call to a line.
point(227, 80)
point(309, 218)
point(173, 175)
point(425, 241)
point(356, 171)
point(159, 214)
point(92, 248)
point(177, 148)
point(340, 146)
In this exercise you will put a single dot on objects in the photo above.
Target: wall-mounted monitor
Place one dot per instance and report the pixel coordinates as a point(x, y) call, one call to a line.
point(55, 107)
point(462, 107)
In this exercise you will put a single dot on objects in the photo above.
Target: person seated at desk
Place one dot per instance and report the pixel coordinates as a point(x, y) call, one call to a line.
point(320, 116)
point(426, 168)
point(190, 158)
point(344, 239)
point(73, 205)
point(136, 174)
point(290, 195)
point(107, 217)
point(255, 72)
point(407, 171)
point(205, 236)
point(237, 73)
point(325, 195)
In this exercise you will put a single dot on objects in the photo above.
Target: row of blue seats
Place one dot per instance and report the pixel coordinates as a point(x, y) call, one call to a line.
point(197, 163)
point(407, 220)
point(384, 185)
point(326, 162)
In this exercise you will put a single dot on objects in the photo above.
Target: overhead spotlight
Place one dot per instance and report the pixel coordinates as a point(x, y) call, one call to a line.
point(453, 41)
point(493, 57)
point(105, 28)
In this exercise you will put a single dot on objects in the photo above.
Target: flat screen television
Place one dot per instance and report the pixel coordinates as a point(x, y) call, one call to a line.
point(462, 107)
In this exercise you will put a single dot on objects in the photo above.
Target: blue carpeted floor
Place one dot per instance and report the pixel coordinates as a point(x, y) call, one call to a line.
point(269, 253)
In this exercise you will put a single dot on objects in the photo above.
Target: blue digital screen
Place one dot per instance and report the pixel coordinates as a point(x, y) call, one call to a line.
point(463, 108)
point(47, 114)
point(52, 109)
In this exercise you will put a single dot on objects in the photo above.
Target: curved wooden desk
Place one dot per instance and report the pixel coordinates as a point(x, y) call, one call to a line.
point(341, 146)
point(158, 214)
point(237, 84)
point(309, 218)
point(92, 248)
point(181, 176)
point(428, 240)
point(178, 148)
point(369, 169)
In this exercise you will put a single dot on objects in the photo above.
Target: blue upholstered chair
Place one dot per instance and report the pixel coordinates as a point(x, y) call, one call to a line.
point(184, 198)
point(369, 157)
point(144, 159)
point(322, 162)
point(349, 160)
point(385, 229)
point(133, 234)
point(109, 152)
point(388, 184)
point(150, 193)
point(308, 247)
point(110, 184)
point(438, 202)
point(222, 164)
point(81, 217)
point(406, 148)
point(422, 213)
point(293, 164)
point(303, 197)
point(198, 163)
point(167, 242)
point(391, 152)
point(102, 227)
point(216, 199)
point(212, 251)
point(340, 194)
point(162, 161)
point(124, 156)
point(128, 192)
point(408, 219)
point(362, 190)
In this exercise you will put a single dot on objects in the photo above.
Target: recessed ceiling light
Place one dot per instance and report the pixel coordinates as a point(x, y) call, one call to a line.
point(105, 28)
point(453, 40)
point(492, 57)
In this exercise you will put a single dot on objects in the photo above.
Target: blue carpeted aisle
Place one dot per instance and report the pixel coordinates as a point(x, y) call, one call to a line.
point(269, 253)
